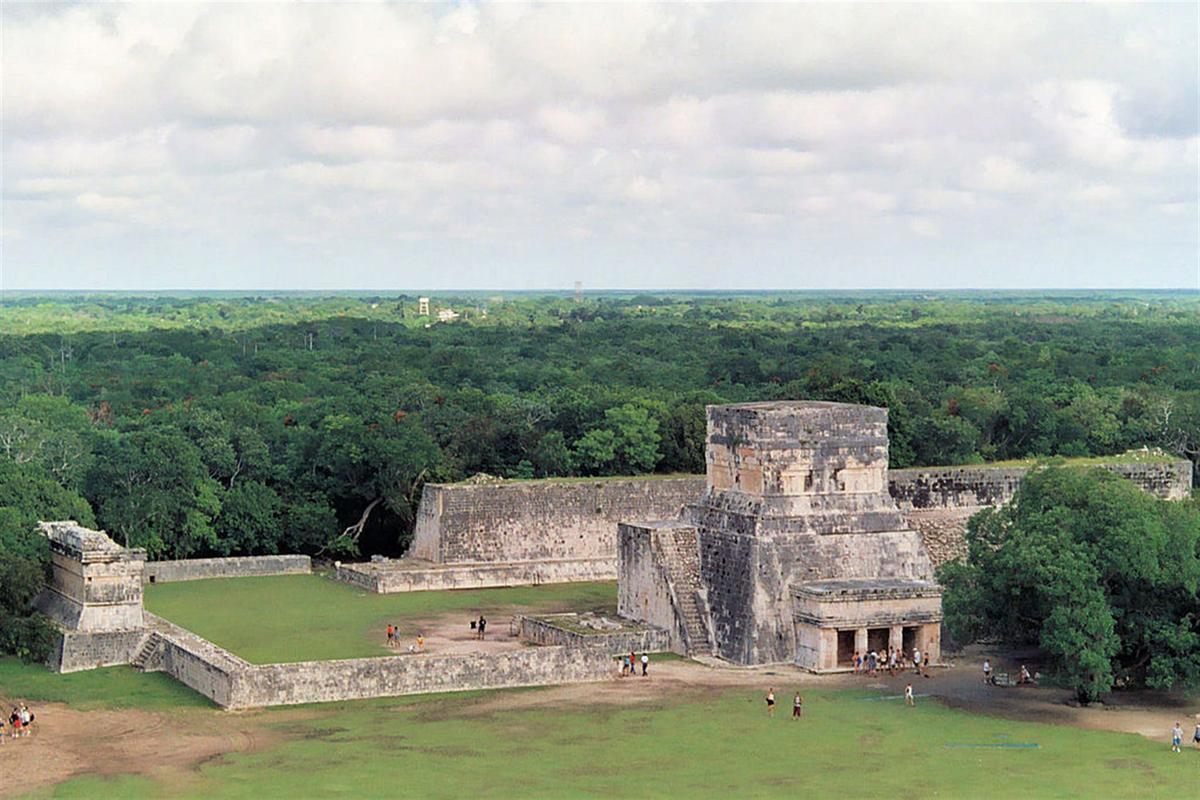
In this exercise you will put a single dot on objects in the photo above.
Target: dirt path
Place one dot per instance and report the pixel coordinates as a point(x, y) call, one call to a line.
point(65, 742)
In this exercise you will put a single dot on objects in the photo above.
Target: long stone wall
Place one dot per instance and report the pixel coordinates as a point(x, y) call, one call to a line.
point(233, 683)
point(406, 575)
point(389, 676)
point(242, 567)
point(568, 520)
point(536, 520)
point(939, 501)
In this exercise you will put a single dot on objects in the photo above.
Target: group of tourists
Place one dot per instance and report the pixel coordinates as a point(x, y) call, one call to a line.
point(629, 664)
point(1177, 737)
point(393, 639)
point(20, 721)
point(891, 660)
point(1024, 678)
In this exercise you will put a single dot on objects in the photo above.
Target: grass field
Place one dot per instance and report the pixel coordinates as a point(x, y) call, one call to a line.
point(716, 744)
point(308, 617)
point(110, 687)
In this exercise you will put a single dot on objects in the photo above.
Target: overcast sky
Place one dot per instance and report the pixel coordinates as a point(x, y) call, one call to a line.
point(626, 146)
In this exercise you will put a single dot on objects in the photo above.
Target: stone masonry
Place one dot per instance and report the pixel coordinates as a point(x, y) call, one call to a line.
point(796, 504)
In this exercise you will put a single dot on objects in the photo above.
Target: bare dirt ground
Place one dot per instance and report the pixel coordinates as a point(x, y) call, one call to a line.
point(70, 742)
point(65, 742)
point(451, 634)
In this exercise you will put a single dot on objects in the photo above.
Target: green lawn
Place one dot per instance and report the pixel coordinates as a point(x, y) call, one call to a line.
point(111, 687)
point(308, 617)
point(695, 745)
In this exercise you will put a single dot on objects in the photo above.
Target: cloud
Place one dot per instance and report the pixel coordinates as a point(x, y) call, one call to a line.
point(663, 138)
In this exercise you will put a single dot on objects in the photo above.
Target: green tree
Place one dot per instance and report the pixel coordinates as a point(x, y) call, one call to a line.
point(1102, 575)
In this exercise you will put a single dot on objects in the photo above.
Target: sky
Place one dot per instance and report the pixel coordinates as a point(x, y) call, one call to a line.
point(514, 146)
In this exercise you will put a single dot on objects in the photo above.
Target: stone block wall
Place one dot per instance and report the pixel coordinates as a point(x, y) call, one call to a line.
point(939, 501)
point(407, 575)
point(242, 567)
point(80, 650)
point(545, 632)
point(390, 676)
point(536, 520)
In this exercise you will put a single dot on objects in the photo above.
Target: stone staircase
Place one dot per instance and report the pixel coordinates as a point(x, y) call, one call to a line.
point(680, 553)
point(142, 659)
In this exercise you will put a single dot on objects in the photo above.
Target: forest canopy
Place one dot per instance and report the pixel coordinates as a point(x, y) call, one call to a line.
point(213, 425)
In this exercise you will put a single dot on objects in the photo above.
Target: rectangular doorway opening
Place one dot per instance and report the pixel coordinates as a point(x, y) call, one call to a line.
point(877, 639)
point(910, 640)
point(845, 654)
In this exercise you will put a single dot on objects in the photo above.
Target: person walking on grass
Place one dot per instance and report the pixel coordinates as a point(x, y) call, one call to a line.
point(909, 700)
point(797, 706)
point(645, 663)
point(1177, 739)
point(1196, 736)
point(771, 701)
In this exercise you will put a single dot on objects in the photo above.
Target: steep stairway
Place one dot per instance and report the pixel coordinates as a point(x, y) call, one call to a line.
point(680, 551)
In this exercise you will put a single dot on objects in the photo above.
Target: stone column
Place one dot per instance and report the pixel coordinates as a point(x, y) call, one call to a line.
point(860, 640)
point(896, 637)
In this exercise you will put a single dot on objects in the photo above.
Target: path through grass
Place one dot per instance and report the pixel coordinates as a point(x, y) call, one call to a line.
point(309, 617)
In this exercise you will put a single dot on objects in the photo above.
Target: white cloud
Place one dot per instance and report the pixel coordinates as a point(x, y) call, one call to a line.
point(676, 132)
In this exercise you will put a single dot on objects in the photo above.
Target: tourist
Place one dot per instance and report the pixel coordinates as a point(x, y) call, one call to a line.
point(482, 626)
point(917, 660)
point(1177, 739)
point(632, 663)
point(645, 663)
point(391, 635)
point(771, 701)
point(1196, 736)
point(624, 665)
point(908, 695)
point(798, 707)
point(857, 663)
point(987, 671)
point(892, 658)
point(1025, 677)
point(14, 719)
point(420, 642)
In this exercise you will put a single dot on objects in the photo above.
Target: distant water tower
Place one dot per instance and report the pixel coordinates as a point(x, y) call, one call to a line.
point(423, 306)
point(578, 291)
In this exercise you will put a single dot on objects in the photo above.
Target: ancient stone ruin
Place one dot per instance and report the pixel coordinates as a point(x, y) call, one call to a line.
point(794, 552)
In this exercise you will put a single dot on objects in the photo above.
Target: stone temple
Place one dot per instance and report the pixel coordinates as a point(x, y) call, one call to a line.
point(795, 552)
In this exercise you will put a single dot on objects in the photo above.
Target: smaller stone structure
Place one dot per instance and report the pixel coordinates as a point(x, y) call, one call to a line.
point(94, 596)
point(837, 618)
point(616, 637)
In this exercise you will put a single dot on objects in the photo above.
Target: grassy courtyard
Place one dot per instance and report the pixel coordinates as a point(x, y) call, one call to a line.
point(309, 617)
point(716, 744)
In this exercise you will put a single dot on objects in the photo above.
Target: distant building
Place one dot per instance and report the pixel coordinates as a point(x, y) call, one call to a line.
point(447, 315)
point(423, 306)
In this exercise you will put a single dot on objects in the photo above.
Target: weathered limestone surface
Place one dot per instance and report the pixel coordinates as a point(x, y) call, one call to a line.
point(545, 632)
point(95, 584)
point(412, 575)
point(80, 650)
point(240, 567)
point(535, 520)
point(575, 521)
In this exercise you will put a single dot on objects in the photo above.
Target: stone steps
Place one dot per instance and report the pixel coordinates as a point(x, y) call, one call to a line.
point(144, 652)
point(681, 557)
